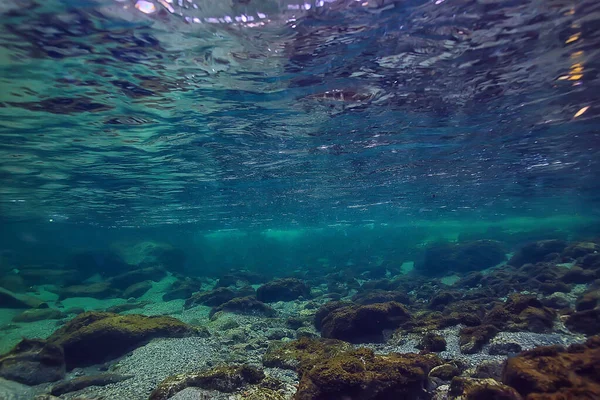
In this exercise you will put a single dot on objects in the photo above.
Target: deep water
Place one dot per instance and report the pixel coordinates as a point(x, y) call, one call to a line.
point(289, 188)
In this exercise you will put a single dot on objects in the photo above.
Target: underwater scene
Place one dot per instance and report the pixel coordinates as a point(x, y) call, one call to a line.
point(299, 200)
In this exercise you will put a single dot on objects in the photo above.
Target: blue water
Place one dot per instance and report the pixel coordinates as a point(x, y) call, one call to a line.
point(294, 138)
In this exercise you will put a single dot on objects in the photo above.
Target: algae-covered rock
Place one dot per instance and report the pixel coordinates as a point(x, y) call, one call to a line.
point(586, 321)
point(212, 298)
point(39, 314)
point(9, 299)
point(358, 324)
point(300, 355)
point(224, 379)
point(245, 305)
point(380, 296)
point(360, 374)
point(126, 279)
point(33, 361)
point(473, 338)
point(97, 290)
point(82, 382)
point(556, 372)
point(94, 337)
point(287, 289)
point(432, 342)
point(536, 252)
point(463, 388)
point(137, 289)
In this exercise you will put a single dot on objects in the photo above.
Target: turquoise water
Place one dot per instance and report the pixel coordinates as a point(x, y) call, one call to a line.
point(316, 140)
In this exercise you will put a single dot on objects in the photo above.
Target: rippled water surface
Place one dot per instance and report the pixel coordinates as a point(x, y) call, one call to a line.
point(269, 112)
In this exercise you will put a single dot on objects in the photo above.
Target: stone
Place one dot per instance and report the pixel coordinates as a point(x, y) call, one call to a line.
point(9, 299)
point(360, 374)
point(182, 289)
point(212, 298)
point(97, 290)
point(95, 337)
point(39, 314)
point(464, 388)
point(287, 289)
point(380, 296)
point(473, 338)
point(536, 252)
point(138, 275)
point(580, 249)
point(224, 379)
point(586, 322)
point(556, 372)
point(32, 362)
point(444, 372)
point(105, 263)
point(443, 258)
point(504, 349)
point(432, 342)
point(326, 309)
point(302, 354)
point(359, 324)
point(83, 382)
point(137, 289)
point(245, 305)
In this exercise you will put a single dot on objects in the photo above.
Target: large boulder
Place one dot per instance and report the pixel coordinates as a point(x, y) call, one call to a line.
point(96, 290)
point(126, 279)
point(151, 253)
point(106, 264)
point(536, 252)
point(360, 374)
point(359, 324)
point(94, 337)
point(33, 361)
point(444, 258)
point(9, 299)
point(287, 289)
point(39, 314)
point(556, 372)
point(212, 298)
point(245, 305)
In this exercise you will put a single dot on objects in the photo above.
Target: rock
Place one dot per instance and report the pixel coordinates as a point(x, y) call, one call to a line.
point(444, 372)
point(137, 289)
point(105, 263)
point(95, 337)
point(462, 388)
point(150, 253)
point(14, 283)
point(536, 252)
point(75, 310)
point(360, 374)
point(579, 275)
point(224, 379)
point(440, 259)
point(326, 309)
point(489, 369)
point(556, 372)
point(441, 299)
point(39, 314)
point(302, 354)
point(212, 298)
point(9, 299)
point(359, 324)
point(139, 275)
point(57, 275)
point(473, 338)
point(557, 301)
point(119, 308)
point(283, 290)
point(432, 342)
point(240, 278)
point(11, 390)
point(33, 361)
point(245, 305)
point(586, 322)
point(98, 290)
point(83, 382)
point(182, 289)
point(580, 249)
point(590, 262)
point(588, 301)
point(504, 349)
point(380, 296)
point(306, 332)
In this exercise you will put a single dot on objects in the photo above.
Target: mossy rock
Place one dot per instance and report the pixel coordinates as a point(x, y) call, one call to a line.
point(556, 372)
point(473, 338)
point(300, 355)
point(359, 324)
point(94, 337)
point(226, 379)
point(245, 305)
point(39, 314)
point(462, 388)
point(360, 374)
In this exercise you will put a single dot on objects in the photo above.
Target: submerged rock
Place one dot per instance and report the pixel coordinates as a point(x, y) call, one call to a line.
point(212, 298)
point(287, 289)
point(586, 321)
point(556, 372)
point(536, 252)
point(441, 259)
point(39, 314)
point(136, 276)
point(359, 324)
point(95, 337)
point(380, 296)
point(360, 374)
point(224, 379)
point(33, 361)
point(137, 289)
point(463, 388)
point(302, 354)
point(83, 382)
point(9, 299)
point(245, 305)
point(432, 342)
point(98, 290)
point(182, 289)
